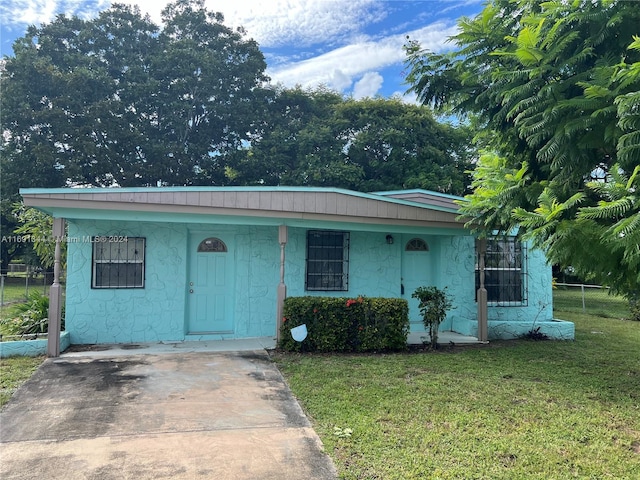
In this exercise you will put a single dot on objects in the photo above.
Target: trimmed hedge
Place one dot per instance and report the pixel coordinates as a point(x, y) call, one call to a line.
point(337, 324)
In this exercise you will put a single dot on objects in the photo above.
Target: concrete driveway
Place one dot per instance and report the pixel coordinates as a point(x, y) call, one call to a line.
point(187, 415)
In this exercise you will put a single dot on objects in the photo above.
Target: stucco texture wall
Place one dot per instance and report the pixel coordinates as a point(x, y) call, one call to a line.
point(458, 257)
point(374, 266)
point(457, 274)
point(158, 311)
point(150, 314)
point(257, 274)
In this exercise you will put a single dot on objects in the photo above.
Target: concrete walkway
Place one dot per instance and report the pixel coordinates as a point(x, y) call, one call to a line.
point(170, 413)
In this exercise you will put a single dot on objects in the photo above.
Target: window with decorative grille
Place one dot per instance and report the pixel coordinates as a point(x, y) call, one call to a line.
point(417, 245)
point(505, 272)
point(118, 262)
point(327, 260)
point(212, 244)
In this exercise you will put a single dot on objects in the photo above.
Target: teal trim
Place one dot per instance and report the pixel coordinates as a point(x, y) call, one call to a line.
point(508, 330)
point(31, 348)
point(204, 219)
point(419, 190)
point(168, 217)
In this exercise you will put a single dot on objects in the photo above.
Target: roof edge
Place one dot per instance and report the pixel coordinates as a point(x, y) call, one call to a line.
point(418, 190)
point(382, 196)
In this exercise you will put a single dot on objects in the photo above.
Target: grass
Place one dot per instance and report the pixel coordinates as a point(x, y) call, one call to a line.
point(15, 287)
point(14, 372)
point(517, 409)
point(596, 302)
point(13, 297)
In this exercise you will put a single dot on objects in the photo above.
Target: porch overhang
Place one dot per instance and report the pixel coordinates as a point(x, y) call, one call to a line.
point(294, 206)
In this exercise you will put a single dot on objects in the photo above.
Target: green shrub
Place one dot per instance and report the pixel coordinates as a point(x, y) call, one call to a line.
point(28, 318)
point(634, 307)
point(434, 304)
point(338, 324)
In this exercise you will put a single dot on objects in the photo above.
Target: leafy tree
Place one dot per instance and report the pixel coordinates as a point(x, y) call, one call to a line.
point(118, 100)
point(555, 86)
point(400, 146)
point(36, 227)
point(316, 137)
point(298, 144)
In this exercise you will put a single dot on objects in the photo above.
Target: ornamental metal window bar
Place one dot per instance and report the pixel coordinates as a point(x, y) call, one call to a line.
point(505, 272)
point(118, 262)
point(327, 260)
point(417, 245)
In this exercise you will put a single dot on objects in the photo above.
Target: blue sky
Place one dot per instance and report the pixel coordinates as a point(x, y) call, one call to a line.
point(352, 46)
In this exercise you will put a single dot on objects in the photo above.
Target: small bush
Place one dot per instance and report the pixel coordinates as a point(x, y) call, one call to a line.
point(434, 304)
point(28, 318)
point(535, 334)
point(346, 324)
point(634, 307)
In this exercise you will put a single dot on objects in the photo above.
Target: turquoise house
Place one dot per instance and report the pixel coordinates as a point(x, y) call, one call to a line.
point(201, 263)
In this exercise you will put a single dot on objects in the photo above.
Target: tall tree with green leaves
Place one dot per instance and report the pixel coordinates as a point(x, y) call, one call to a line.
point(554, 86)
point(298, 143)
point(318, 138)
point(119, 100)
point(402, 146)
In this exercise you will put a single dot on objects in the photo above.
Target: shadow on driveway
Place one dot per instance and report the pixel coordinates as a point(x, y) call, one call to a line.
point(180, 416)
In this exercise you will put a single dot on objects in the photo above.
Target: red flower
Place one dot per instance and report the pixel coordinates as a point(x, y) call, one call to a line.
point(284, 319)
point(315, 310)
point(350, 302)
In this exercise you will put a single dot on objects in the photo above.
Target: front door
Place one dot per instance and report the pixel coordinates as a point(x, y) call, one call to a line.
point(416, 272)
point(210, 292)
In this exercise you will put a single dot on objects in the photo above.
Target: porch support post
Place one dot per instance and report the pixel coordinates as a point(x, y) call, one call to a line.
point(283, 235)
point(53, 336)
point(483, 314)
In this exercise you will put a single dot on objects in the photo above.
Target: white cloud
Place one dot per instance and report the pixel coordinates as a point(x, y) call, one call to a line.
point(30, 12)
point(302, 23)
point(35, 12)
point(356, 59)
point(274, 23)
point(326, 34)
point(368, 85)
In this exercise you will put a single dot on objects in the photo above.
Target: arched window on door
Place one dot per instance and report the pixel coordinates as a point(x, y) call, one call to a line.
point(416, 245)
point(212, 244)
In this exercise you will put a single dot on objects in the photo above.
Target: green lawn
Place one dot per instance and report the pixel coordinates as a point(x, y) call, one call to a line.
point(518, 409)
point(509, 410)
point(596, 302)
point(16, 287)
point(13, 372)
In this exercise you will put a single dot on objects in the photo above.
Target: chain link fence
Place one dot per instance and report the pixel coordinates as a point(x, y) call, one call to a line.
point(20, 280)
point(591, 299)
point(24, 302)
